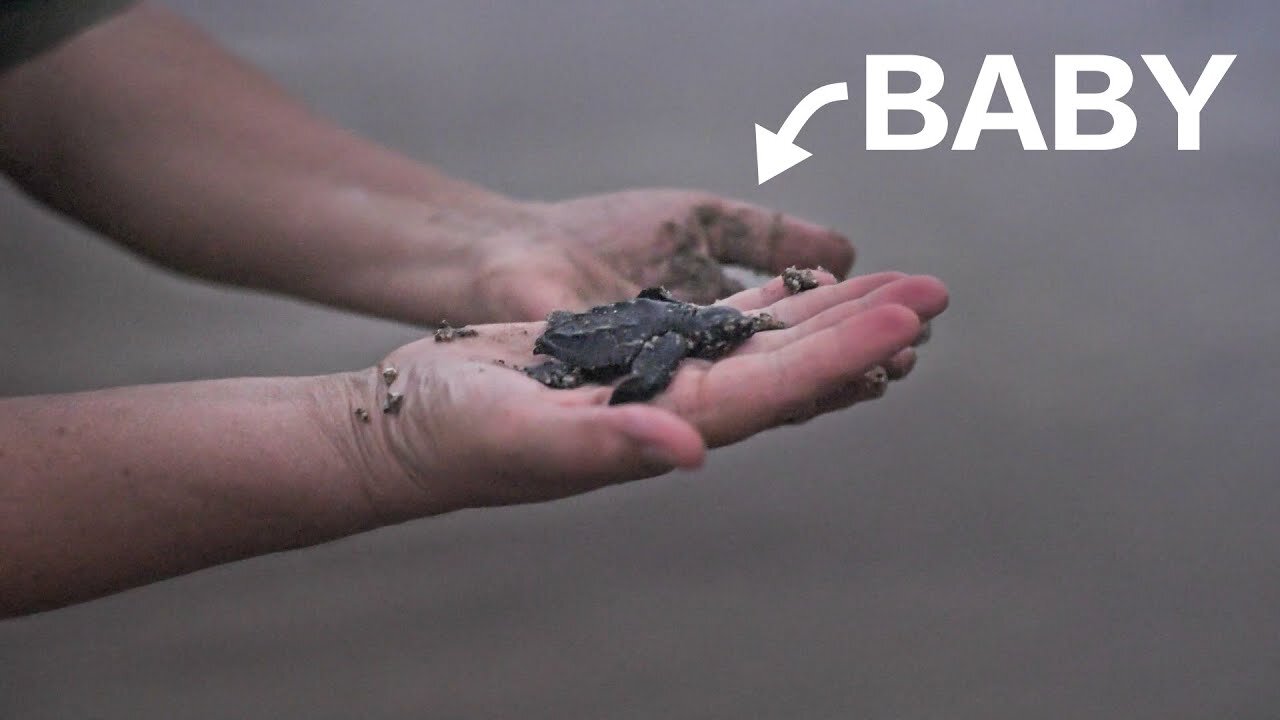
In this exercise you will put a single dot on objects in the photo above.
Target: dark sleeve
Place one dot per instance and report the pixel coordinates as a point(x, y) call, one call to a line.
point(29, 27)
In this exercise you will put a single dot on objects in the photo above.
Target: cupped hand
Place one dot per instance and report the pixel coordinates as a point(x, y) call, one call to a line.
point(472, 430)
point(603, 248)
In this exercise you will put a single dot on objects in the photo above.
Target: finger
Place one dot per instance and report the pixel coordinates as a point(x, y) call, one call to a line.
point(871, 386)
point(858, 391)
point(770, 241)
point(771, 292)
point(926, 333)
point(923, 294)
point(742, 395)
point(802, 306)
point(568, 449)
point(795, 309)
point(901, 364)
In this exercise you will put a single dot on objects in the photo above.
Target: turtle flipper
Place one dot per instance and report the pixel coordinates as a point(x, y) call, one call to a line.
point(555, 374)
point(652, 369)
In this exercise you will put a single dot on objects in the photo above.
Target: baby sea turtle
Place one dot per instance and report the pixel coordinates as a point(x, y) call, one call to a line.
point(641, 340)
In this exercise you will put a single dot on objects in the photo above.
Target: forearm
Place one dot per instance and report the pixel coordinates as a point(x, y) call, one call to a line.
point(107, 490)
point(147, 131)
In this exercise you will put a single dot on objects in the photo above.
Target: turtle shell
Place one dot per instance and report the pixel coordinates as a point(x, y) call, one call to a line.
point(609, 336)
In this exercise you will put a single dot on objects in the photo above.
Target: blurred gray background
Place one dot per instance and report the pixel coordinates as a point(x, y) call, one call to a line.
point(1067, 512)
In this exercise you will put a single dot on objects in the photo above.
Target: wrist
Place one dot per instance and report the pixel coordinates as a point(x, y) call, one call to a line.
point(379, 473)
point(419, 261)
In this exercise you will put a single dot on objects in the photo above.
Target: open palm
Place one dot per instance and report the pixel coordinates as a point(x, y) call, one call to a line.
point(473, 430)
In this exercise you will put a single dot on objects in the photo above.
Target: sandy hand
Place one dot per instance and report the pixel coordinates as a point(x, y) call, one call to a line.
point(472, 430)
point(604, 248)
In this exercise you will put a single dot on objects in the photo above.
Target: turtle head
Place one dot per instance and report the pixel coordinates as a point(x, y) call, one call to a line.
point(720, 329)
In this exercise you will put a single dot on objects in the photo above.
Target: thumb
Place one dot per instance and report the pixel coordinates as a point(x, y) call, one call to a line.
point(584, 447)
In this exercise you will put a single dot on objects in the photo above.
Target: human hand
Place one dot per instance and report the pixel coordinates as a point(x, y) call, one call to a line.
point(604, 248)
point(471, 430)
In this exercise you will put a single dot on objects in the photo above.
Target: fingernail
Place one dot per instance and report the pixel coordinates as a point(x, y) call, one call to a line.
point(657, 457)
point(926, 332)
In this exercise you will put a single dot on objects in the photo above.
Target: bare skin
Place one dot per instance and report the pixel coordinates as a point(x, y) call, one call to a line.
point(224, 177)
point(107, 490)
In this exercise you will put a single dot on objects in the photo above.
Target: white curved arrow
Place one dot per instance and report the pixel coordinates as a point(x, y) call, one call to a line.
point(776, 152)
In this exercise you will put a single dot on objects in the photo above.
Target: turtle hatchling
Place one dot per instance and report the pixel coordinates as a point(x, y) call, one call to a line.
point(641, 341)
